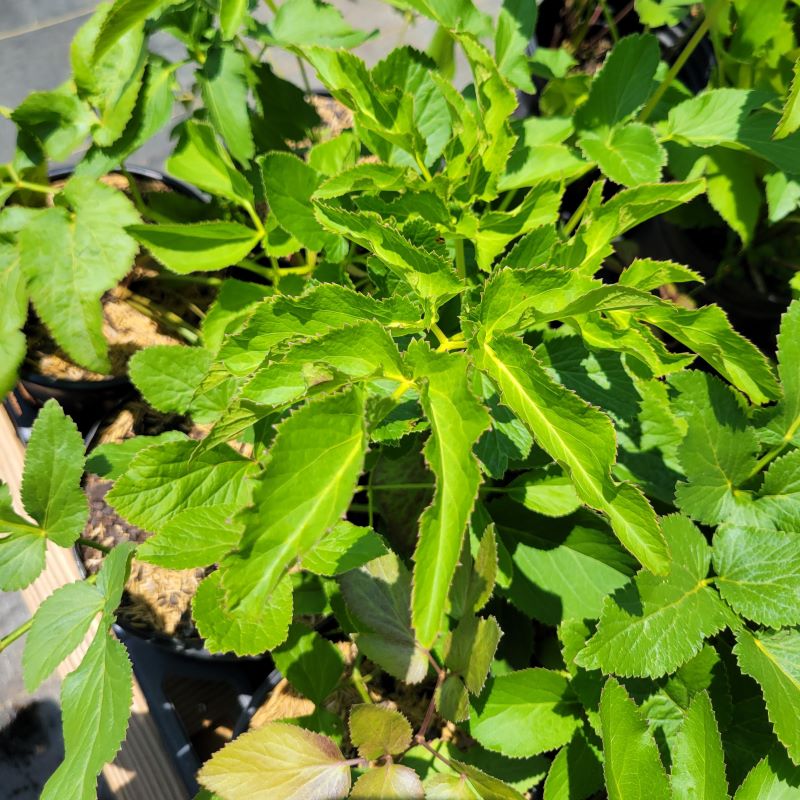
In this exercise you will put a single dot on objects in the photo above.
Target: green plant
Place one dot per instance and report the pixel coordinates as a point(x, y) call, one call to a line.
point(496, 473)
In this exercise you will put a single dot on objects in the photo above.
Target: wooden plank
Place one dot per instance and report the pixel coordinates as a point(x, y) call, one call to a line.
point(141, 770)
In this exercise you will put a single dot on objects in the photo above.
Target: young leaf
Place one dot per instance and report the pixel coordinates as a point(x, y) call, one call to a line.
point(378, 731)
point(344, 547)
point(312, 664)
point(167, 479)
point(95, 706)
point(223, 84)
point(758, 573)
point(167, 375)
point(314, 464)
point(198, 246)
point(278, 762)
point(773, 659)
point(698, 771)
point(623, 84)
point(59, 626)
point(633, 768)
point(627, 154)
point(654, 624)
point(525, 713)
point(457, 420)
point(51, 480)
point(124, 15)
point(582, 439)
point(378, 597)
point(70, 255)
point(200, 159)
point(389, 782)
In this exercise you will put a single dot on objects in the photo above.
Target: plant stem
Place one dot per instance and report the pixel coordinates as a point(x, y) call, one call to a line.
point(775, 452)
point(444, 342)
point(426, 722)
point(256, 269)
point(612, 25)
point(91, 543)
point(163, 316)
point(12, 637)
point(138, 200)
point(507, 199)
point(573, 221)
point(36, 187)
point(423, 169)
point(434, 752)
point(358, 681)
point(461, 262)
point(248, 207)
point(677, 66)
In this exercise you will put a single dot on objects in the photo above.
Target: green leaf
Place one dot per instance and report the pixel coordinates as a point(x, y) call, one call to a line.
point(168, 375)
point(525, 713)
point(628, 154)
point(469, 650)
point(95, 706)
point(22, 548)
point(377, 731)
point(784, 419)
point(698, 771)
point(312, 665)
point(246, 634)
point(781, 492)
point(232, 14)
point(197, 537)
point(733, 190)
point(708, 333)
point(656, 13)
point(113, 575)
point(289, 183)
point(580, 438)
point(200, 159)
point(758, 573)
point(51, 481)
point(344, 547)
point(623, 84)
point(647, 274)
point(70, 255)
point(576, 772)
point(773, 778)
point(294, 763)
point(320, 451)
point(234, 303)
point(59, 626)
point(773, 659)
point(633, 768)
point(428, 274)
point(378, 598)
point(167, 479)
point(124, 15)
point(655, 624)
point(457, 421)
point(515, 28)
point(198, 246)
point(112, 459)
point(549, 493)
point(310, 22)
point(790, 117)
point(387, 782)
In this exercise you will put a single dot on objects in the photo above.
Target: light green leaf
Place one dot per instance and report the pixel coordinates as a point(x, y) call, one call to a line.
point(51, 479)
point(525, 713)
point(198, 246)
point(758, 573)
point(378, 597)
point(781, 492)
point(576, 772)
point(197, 537)
point(278, 762)
point(580, 438)
point(773, 659)
point(627, 154)
point(388, 782)
point(733, 191)
point(708, 333)
point(782, 193)
point(623, 84)
point(655, 624)
point(656, 13)
point(95, 706)
point(344, 547)
point(112, 459)
point(428, 274)
point(377, 731)
point(309, 22)
point(469, 650)
point(59, 626)
point(243, 633)
point(515, 28)
point(232, 14)
point(70, 255)
point(790, 117)
point(234, 303)
point(315, 461)
point(22, 547)
point(633, 768)
point(443, 786)
point(457, 421)
point(647, 274)
point(169, 478)
point(773, 778)
point(124, 15)
point(698, 771)
point(548, 493)
point(168, 375)
point(200, 159)
point(784, 420)
point(312, 664)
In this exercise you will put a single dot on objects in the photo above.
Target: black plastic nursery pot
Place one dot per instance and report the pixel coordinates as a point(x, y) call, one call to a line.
point(87, 402)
